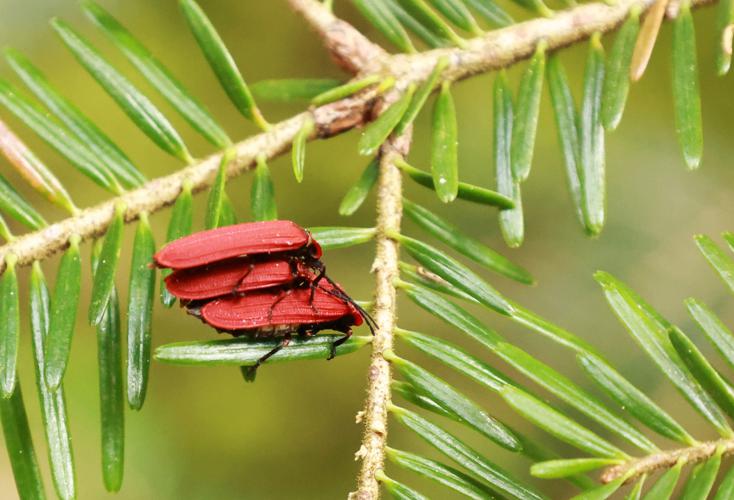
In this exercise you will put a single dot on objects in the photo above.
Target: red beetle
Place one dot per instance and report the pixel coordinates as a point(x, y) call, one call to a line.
point(281, 313)
point(239, 240)
point(261, 279)
point(236, 276)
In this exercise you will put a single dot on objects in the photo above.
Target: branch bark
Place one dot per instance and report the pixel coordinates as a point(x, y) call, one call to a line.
point(667, 459)
point(155, 195)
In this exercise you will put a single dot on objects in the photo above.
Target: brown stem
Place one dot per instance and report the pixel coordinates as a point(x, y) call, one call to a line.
point(385, 267)
point(504, 47)
point(667, 459)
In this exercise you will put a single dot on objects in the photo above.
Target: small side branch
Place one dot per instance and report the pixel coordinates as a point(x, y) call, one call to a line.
point(667, 459)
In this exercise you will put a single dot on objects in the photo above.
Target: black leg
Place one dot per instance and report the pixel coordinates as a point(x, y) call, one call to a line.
point(243, 278)
point(252, 370)
point(283, 294)
point(322, 272)
point(339, 342)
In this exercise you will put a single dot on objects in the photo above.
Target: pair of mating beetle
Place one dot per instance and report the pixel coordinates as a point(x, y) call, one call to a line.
point(259, 279)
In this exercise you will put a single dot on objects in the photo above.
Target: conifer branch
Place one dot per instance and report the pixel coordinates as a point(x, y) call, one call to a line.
point(156, 194)
point(496, 49)
point(354, 52)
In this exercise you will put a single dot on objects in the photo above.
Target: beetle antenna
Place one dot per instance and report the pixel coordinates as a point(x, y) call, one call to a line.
point(339, 293)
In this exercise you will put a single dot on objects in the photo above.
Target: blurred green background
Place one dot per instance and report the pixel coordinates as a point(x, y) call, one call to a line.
point(204, 433)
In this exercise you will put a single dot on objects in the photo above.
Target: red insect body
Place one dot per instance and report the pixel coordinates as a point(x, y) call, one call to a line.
point(261, 279)
point(251, 238)
point(235, 276)
point(277, 312)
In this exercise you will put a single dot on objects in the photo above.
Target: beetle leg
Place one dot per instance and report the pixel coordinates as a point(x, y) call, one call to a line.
point(321, 268)
point(283, 294)
point(252, 370)
point(243, 278)
point(315, 283)
point(339, 342)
